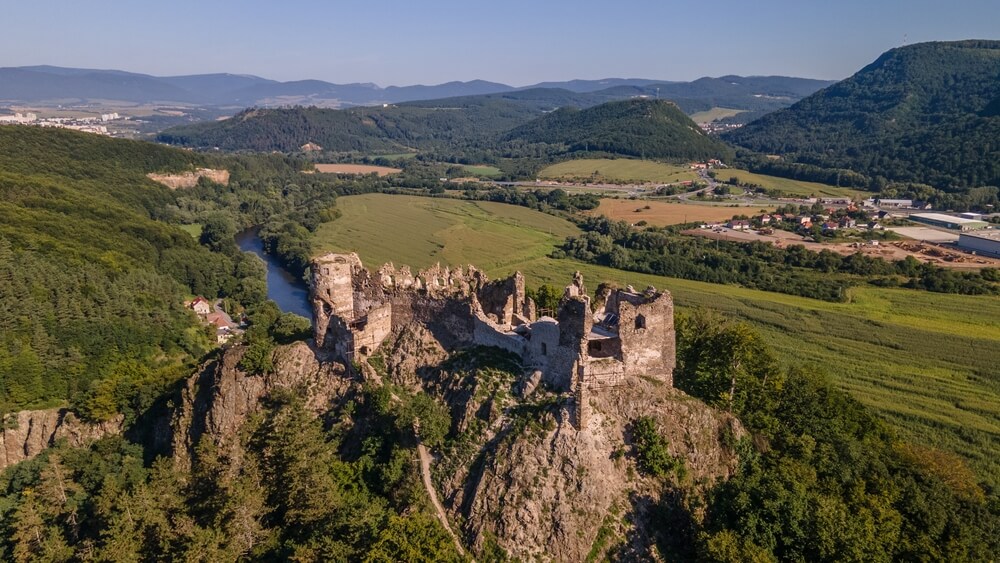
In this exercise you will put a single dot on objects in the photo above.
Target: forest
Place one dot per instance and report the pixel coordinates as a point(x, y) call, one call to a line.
point(923, 113)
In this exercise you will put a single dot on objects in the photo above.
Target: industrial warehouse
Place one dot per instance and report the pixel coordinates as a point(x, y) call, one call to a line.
point(949, 221)
point(986, 243)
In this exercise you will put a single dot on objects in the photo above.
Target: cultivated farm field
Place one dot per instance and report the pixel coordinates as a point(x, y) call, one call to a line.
point(662, 213)
point(714, 114)
point(420, 231)
point(795, 188)
point(359, 169)
point(924, 361)
point(618, 170)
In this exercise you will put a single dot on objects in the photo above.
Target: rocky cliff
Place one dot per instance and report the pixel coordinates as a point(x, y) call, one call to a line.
point(538, 488)
point(25, 434)
point(216, 401)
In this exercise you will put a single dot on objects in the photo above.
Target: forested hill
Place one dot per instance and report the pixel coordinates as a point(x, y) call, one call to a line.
point(383, 129)
point(639, 127)
point(923, 113)
point(91, 279)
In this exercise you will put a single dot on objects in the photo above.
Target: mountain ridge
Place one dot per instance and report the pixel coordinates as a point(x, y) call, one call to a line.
point(922, 113)
point(45, 82)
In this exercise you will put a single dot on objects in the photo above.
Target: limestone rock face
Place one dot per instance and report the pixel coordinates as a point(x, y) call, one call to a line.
point(25, 434)
point(217, 401)
point(545, 490)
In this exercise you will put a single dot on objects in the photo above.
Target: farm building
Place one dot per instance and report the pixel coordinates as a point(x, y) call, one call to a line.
point(984, 242)
point(949, 221)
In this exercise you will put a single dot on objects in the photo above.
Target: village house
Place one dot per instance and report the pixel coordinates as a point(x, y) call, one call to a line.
point(200, 306)
point(847, 223)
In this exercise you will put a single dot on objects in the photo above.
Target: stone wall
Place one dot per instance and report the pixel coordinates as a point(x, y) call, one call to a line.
point(648, 338)
point(357, 311)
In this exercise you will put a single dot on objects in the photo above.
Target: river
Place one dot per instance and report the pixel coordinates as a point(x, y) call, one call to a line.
point(288, 291)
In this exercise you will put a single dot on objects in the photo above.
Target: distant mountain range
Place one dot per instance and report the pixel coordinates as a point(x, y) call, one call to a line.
point(49, 84)
point(927, 113)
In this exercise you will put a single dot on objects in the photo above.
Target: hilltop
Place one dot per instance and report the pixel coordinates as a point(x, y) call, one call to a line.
point(638, 127)
point(921, 113)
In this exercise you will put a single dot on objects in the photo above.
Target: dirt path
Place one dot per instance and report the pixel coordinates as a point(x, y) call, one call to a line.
point(425, 472)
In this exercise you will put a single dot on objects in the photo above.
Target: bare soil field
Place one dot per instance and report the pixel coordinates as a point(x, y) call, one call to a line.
point(356, 169)
point(941, 255)
point(662, 213)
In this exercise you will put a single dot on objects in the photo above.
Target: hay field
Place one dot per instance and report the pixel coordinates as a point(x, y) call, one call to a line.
point(794, 188)
point(618, 170)
point(924, 361)
point(662, 213)
point(714, 114)
point(419, 231)
point(360, 169)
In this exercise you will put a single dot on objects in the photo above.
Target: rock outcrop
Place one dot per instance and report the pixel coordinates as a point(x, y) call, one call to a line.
point(543, 490)
point(190, 179)
point(25, 434)
point(216, 401)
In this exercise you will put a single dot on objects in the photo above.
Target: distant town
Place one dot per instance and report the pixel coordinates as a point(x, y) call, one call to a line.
point(95, 124)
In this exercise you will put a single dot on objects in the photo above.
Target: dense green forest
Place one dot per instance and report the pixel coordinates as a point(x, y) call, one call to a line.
point(924, 113)
point(467, 129)
point(639, 128)
point(820, 478)
point(93, 279)
point(391, 129)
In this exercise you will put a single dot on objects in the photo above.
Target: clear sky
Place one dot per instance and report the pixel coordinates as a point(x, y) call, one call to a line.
point(517, 42)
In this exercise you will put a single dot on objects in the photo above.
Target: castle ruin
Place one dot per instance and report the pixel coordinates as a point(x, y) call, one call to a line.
point(624, 334)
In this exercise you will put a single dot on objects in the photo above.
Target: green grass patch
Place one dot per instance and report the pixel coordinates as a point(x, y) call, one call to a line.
point(714, 114)
point(618, 170)
point(194, 229)
point(786, 186)
point(924, 361)
point(482, 170)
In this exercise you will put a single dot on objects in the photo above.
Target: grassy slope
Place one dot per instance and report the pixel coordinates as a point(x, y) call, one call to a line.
point(714, 114)
point(790, 187)
point(420, 231)
point(482, 170)
point(619, 170)
point(922, 360)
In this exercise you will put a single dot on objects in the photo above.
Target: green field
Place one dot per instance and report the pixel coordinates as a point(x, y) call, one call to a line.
point(420, 231)
point(194, 229)
point(618, 170)
point(482, 170)
point(924, 361)
point(714, 114)
point(788, 187)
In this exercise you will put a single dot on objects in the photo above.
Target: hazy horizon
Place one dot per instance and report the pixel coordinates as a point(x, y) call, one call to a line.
point(521, 44)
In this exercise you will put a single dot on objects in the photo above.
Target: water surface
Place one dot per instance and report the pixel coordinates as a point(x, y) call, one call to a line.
point(288, 291)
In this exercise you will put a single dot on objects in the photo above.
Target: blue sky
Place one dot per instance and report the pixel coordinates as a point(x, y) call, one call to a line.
point(513, 41)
